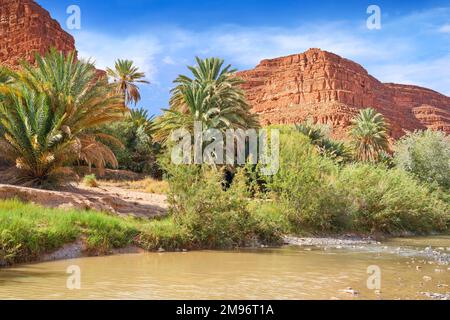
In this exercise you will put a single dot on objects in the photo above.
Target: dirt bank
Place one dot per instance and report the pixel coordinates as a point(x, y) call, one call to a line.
point(104, 198)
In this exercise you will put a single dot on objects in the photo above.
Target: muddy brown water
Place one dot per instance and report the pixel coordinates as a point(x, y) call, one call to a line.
point(413, 268)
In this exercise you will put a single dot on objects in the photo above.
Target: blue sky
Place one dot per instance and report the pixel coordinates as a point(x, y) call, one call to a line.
point(163, 36)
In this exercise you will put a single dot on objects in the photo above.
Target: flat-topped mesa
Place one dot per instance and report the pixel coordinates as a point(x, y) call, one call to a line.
point(27, 28)
point(329, 89)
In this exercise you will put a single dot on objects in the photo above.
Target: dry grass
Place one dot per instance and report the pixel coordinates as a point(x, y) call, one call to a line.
point(90, 181)
point(147, 185)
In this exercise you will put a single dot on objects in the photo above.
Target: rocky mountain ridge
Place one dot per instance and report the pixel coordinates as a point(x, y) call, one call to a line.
point(329, 89)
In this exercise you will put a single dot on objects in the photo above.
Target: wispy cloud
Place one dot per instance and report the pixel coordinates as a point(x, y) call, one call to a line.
point(432, 74)
point(445, 28)
point(105, 49)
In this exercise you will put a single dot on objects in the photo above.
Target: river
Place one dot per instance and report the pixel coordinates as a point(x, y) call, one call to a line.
point(415, 268)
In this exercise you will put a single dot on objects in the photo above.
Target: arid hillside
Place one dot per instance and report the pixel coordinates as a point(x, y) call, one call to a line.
point(330, 89)
point(26, 28)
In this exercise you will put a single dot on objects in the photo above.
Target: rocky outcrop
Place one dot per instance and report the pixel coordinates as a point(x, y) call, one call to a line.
point(27, 28)
point(329, 89)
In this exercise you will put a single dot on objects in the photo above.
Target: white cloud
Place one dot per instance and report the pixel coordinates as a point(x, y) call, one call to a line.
point(106, 49)
point(248, 46)
point(168, 60)
point(445, 28)
point(431, 74)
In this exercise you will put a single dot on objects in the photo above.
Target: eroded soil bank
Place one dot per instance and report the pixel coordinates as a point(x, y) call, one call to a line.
point(106, 198)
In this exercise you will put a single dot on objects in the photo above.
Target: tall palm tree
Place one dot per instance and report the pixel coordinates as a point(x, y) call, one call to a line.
point(213, 96)
point(126, 77)
point(50, 117)
point(369, 132)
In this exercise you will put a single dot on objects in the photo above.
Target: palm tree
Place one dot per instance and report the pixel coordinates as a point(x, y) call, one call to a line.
point(213, 96)
point(336, 150)
point(369, 132)
point(5, 76)
point(126, 77)
point(50, 117)
point(314, 132)
point(141, 119)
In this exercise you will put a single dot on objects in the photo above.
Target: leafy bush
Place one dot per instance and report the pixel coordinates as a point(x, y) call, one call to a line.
point(318, 196)
point(425, 154)
point(214, 217)
point(164, 234)
point(272, 222)
point(304, 185)
point(137, 151)
point(216, 214)
point(390, 201)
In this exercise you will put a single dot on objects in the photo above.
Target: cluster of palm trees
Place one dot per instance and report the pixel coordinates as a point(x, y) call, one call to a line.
point(52, 114)
point(212, 96)
point(49, 116)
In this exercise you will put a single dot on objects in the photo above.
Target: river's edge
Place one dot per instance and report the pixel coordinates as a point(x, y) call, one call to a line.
point(78, 249)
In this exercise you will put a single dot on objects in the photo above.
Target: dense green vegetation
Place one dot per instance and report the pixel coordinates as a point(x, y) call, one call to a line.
point(28, 231)
point(137, 151)
point(214, 216)
point(59, 114)
point(426, 155)
point(327, 147)
point(318, 195)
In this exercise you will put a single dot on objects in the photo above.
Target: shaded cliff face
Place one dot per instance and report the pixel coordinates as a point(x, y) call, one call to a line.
point(331, 90)
point(26, 28)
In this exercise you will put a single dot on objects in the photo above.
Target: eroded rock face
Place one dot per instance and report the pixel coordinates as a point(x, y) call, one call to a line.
point(330, 90)
point(26, 28)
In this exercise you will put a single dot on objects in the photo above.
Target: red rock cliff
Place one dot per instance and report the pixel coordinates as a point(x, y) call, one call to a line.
point(26, 28)
point(330, 90)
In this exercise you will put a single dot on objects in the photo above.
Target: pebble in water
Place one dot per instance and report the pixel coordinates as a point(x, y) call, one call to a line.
point(350, 291)
point(436, 296)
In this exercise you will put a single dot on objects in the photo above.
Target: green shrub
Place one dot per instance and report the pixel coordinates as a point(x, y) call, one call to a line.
point(390, 201)
point(304, 185)
point(425, 154)
point(272, 224)
point(90, 181)
point(317, 196)
point(165, 234)
point(213, 217)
